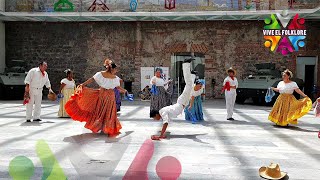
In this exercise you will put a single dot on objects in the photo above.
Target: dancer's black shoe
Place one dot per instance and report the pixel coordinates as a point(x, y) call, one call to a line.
point(28, 120)
point(188, 60)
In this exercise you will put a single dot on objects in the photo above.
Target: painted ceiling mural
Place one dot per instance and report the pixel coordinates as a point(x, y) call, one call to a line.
point(154, 5)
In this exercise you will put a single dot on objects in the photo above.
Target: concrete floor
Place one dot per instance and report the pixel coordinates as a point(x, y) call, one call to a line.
point(214, 149)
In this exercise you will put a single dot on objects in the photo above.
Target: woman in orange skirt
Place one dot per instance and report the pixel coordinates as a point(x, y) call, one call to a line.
point(97, 107)
point(287, 109)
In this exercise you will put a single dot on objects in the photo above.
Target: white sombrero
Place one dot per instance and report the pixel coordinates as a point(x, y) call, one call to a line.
point(272, 172)
point(231, 69)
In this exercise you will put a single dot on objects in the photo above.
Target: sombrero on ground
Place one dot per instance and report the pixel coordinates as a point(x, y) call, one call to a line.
point(272, 172)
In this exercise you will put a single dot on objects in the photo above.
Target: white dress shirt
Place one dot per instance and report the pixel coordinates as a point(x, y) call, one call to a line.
point(170, 112)
point(36, 79)
point(195, 93)
point(233, 82)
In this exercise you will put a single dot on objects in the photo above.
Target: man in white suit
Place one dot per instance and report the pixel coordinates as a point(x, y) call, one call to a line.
point(35, 80)
point(230, 92)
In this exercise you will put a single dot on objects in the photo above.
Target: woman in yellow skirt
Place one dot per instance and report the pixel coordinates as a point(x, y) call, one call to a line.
point(287, 109)
point(67, 88)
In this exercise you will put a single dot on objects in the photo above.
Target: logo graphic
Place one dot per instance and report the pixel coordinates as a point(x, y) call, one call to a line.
point(98, 6)
point(63, 6)
point(284, 39)
point(133, 5)
point(170, 4)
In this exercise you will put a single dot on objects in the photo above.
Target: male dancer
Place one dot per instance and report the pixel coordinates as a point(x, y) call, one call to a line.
point(172, 111)
point(230, 84)
point(35, 80)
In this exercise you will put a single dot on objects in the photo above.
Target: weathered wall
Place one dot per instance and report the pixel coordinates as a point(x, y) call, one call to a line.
point(158, 5)
point(83, 46)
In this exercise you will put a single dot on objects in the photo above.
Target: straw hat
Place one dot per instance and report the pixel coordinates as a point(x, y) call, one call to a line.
point(231, 69)
point(52, 96)
point(272, 172)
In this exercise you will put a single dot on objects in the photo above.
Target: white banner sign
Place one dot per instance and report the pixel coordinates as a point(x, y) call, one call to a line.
point(148, 72)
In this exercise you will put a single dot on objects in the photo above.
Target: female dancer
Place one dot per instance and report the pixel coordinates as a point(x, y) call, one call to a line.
point(193, 111)
point(158, 100)
point(287, 109)
point(66, 89)
point(97, 107)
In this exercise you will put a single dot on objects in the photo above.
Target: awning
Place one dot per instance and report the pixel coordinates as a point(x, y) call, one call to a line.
point(151, 16)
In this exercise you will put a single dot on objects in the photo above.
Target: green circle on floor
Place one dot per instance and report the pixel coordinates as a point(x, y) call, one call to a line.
point(21, 167)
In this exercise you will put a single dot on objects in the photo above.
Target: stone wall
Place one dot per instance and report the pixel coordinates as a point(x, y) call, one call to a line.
point(83, 46)
point(159, 5)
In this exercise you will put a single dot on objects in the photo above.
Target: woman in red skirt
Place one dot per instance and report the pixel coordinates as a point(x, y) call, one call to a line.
point(97, 107)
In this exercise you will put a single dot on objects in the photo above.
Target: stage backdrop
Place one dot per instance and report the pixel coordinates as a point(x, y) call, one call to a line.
point(148, 72)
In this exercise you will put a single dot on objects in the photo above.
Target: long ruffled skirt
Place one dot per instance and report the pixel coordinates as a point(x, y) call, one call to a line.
point(159, 101)
point(287, 109)
point(96, 107)
point(67, 93)
point(196, 110)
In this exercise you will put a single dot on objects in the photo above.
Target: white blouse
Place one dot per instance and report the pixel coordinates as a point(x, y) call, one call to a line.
point(287, 88)
point(196, 93)
point(159, 81)
point(107, 83)
point(68, 84)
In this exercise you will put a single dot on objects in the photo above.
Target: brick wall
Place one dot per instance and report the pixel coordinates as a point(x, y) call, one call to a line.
point(83, 46)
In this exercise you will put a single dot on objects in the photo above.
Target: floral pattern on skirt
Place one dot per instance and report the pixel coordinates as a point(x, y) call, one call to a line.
point(287, 109)
point(96, 107)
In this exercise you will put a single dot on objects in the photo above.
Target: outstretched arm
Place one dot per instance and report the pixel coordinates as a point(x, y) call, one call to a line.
point(122, 90)
point(89, 81)
point(300, 92)
point(275, 89)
